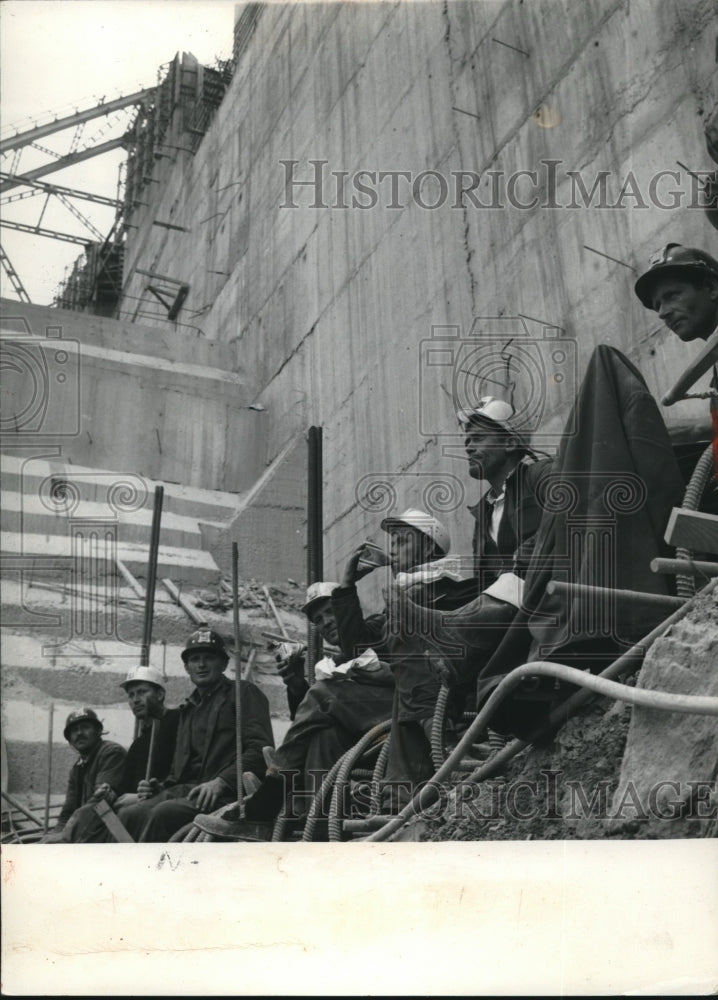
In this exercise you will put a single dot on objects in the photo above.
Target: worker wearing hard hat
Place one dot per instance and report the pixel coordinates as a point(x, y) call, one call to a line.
point(507, 519)
point(100, 761)
point(145, 690)
point(681, 286)
point(203, 772)
point(349, 697)
point(418, 543)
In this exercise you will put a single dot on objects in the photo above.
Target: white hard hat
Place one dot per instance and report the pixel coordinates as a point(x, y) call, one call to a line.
point(430, 526)
point(492, 410)
point(316, 592)
point(143, 674)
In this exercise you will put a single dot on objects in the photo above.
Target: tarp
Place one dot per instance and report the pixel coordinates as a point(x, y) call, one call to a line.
point(606, 506)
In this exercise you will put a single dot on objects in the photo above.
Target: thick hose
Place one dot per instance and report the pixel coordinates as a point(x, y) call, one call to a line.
point(319, 800)
point(348, 760)
point(629, 660)
point(437, 727)
point(685, 585)
point(379, 769)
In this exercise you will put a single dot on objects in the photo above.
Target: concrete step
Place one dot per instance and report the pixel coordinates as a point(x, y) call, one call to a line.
point(182, 565)
point(45, 477)
point(31, 513)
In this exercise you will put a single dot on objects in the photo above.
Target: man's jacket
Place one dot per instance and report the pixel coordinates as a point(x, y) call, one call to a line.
point(519, 523)
point(220, 750)
point(417, 686)
point(135, 768)
point(104, 765)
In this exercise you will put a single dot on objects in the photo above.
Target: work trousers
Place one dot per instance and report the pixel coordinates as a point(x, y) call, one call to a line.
point(155, 820)
point(332, 716)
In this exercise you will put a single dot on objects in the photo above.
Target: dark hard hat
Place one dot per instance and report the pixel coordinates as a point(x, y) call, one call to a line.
point(674, 261)
point(205, 639)
point(83, 715)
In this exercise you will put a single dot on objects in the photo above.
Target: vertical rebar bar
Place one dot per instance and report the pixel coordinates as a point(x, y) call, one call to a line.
point(237, 676)
point(315, 540)
point(48, 788)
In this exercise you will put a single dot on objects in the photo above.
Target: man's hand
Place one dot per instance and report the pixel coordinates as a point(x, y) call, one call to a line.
point(444, 669)
point(128, 799)
point(290, 661)
point(352, 572)
point(105, 791)
point(208, 794)
point(146, 789)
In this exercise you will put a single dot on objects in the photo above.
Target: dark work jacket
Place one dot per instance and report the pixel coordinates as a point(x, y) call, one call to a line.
point(104, 765)
point(417, 686)
point(612, 489)
point(136, 761)
point(517, 529)
point(220, 752)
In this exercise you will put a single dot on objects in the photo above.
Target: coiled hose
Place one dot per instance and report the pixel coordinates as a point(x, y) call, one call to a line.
point(685, 585)
point(437, 727)
point(348, 761)
point(379, 769)
point(590, 684)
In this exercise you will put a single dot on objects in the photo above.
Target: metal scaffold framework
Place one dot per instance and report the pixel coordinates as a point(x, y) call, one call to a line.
point(184, 99)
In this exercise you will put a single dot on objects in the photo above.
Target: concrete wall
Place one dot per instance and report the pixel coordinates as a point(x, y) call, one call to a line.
point(325, 309)
point(147, 404)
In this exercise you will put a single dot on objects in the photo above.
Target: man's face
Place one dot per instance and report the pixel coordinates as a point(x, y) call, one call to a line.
point(688, 311)
point(145, 700)
point(323, 619)
point(485, 449)
point(205, 668)
point(406, 549)
point(84, 737)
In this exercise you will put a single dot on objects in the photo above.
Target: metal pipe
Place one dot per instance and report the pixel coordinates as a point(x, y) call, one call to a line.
point(315, 529)
point(629, 659)
point(48, 788)
point(151, 576)
point(690, 567)
point(237, 676)
point(151, 752)
point(631, 596)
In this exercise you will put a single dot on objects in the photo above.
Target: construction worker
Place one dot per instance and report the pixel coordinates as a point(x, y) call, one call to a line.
point(203, 773)
point(329, 717)
point(681, 285)
point(100, 762)
point(145, 692)
point(418, 543)
point(507, 519)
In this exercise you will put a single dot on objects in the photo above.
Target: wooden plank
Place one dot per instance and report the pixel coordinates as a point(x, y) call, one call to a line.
point(692, 529)
point(185, 605)
point(112, 822)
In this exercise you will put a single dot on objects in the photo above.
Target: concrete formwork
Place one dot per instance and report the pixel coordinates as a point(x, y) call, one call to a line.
point(326, 308)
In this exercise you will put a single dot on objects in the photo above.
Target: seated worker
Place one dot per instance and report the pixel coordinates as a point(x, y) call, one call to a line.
point(681, 285)
point(418, 542)
point(507, 520)
point(203, 773)
point(329, 717)
point(100, 762)
point(145, 692)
